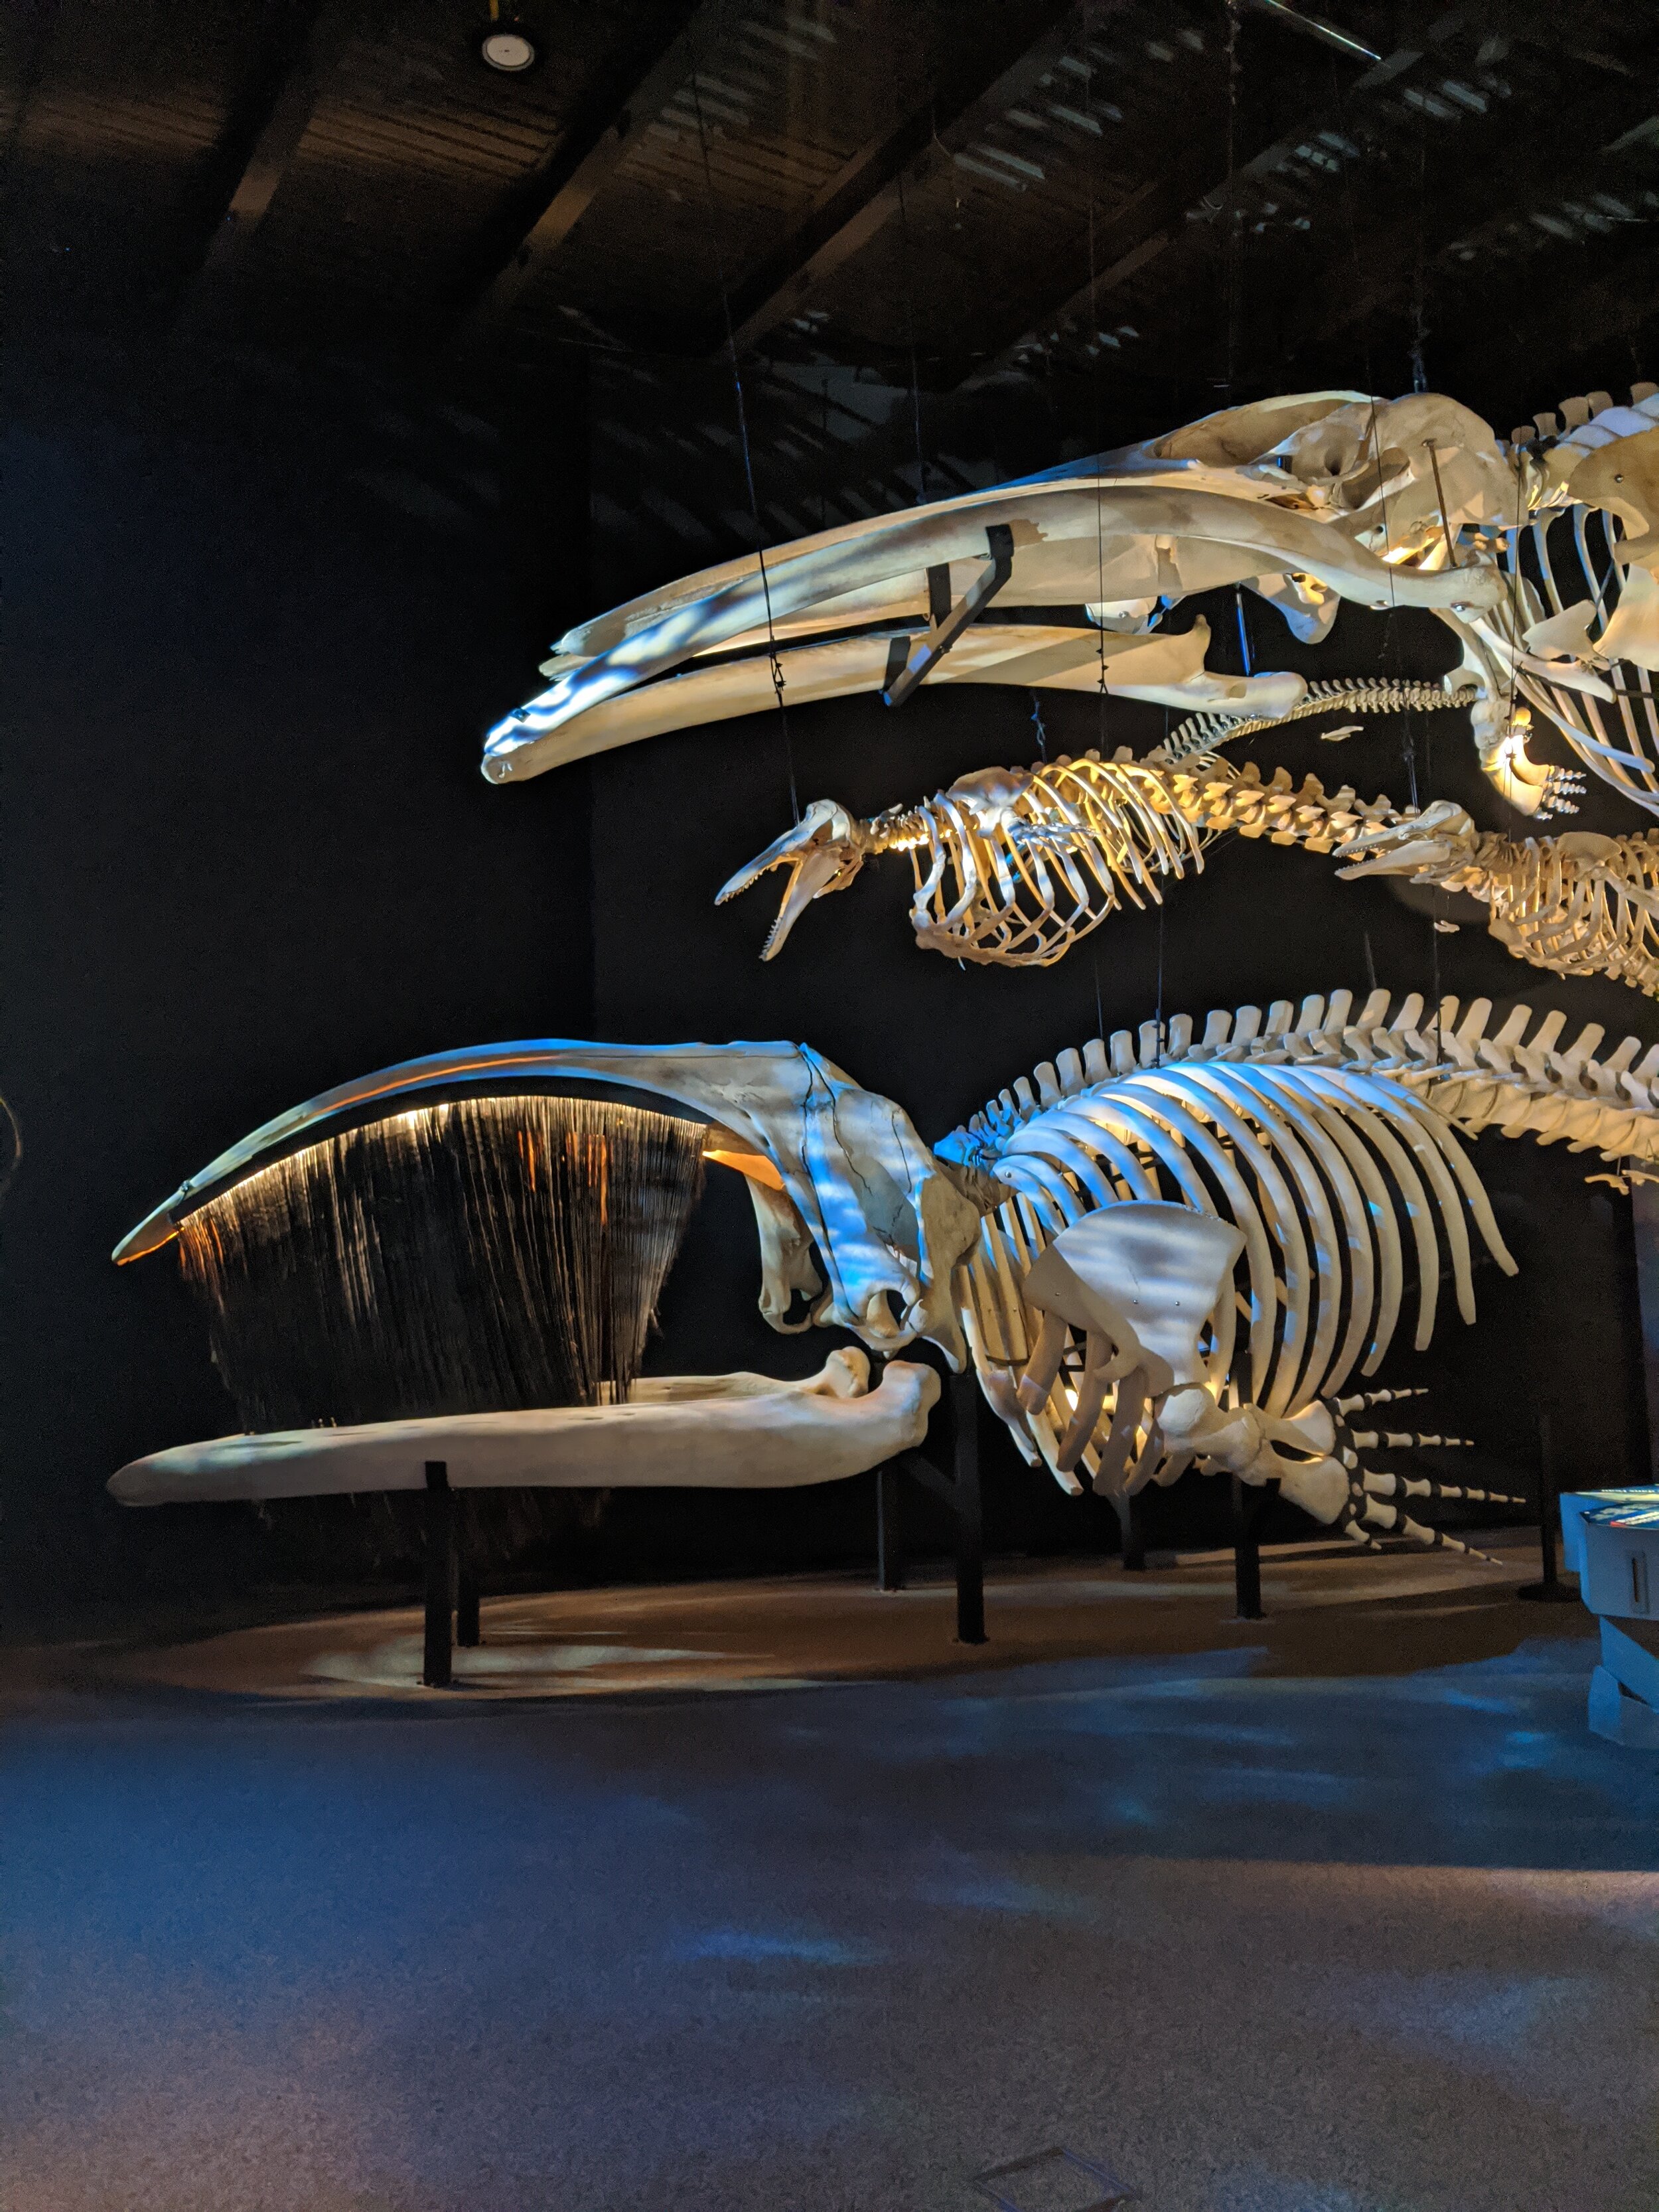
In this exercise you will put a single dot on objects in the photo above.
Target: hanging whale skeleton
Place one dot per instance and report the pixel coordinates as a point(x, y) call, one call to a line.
point(1541, 556)
point(1011, 868)
point(1178, 1251)
point(1170, 1251)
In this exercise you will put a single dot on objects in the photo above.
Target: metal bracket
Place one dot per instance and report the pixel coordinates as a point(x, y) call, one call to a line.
point(961, 1493)
point(922, 1470)
point(945, 622)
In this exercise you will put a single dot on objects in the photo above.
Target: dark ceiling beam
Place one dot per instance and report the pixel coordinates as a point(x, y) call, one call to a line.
point(25, 35)
point(591, 150)
point(1132, 235)
point(993, 74)
point(1158, 216)
point(1480, 184)
point(262, 135)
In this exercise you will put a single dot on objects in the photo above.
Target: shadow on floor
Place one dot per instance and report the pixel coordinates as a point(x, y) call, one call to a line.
point(1344, 1913)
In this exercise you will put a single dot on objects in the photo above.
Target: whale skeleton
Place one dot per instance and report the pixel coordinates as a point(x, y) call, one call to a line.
point(1012, 868)
point(1306, 499)
point(1170, 1250)
point(1124, 538)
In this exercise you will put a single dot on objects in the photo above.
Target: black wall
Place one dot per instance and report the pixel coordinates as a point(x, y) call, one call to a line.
point(256, 627)
point(254, 624)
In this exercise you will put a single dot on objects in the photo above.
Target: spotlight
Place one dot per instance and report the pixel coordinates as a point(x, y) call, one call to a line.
point(507, 47)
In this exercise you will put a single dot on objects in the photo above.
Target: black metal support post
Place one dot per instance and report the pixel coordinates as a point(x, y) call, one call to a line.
point(970, 1530)
point(1134, 1535)
point(1550, 1590)
point(960, 1491)
point(468, 1635)
point(1249, 1511)
point(890, 1528)
point(435, 1670)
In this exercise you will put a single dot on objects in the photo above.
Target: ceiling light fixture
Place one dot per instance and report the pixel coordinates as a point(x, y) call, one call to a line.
point(507, 47)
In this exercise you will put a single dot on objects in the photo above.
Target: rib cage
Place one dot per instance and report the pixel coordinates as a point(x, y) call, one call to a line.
point(1318, 1168)
point(1017, 878)
point(1091, 832)
point(1577, 914)
point(1565, 555)
point(1329, 1140)
point(1012, 868)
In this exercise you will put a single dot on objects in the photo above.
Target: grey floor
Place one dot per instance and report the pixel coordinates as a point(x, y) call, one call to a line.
point(1262, 1941)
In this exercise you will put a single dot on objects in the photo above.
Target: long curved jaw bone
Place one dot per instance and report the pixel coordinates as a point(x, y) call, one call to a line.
point(822, 852)
point(1164, 668)
point(1074, 541)
point(1304, 500)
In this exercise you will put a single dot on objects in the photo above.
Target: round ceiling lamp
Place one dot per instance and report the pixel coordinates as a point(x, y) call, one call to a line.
point(509, 48)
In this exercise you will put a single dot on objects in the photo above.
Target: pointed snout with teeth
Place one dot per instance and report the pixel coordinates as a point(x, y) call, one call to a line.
point(1438, 837)
point(822, 852)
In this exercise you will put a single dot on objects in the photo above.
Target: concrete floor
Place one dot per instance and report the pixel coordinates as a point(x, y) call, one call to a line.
point(1344, 1913)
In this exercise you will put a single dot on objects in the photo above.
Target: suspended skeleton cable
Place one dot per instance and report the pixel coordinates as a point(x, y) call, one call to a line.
point(1419, 272)
point(1408, 736)
point(1232, 243)
point(910, 332)
point(714, 229)
point(14, 1142)
point(1097, 351)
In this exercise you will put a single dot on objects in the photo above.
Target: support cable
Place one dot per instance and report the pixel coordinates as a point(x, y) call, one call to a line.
point(910, 333)
point(743, 434)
